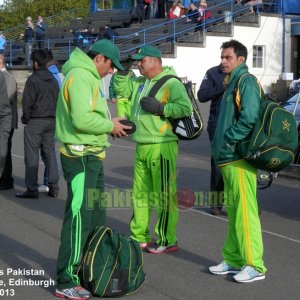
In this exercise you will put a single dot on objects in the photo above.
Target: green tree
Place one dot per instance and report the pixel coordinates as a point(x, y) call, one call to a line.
point(14, 12)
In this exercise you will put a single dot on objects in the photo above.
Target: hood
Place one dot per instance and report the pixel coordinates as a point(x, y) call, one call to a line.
point(44, 74)
point(236, 73)
point(78, 59)
point(166, 71)
point(53, 69)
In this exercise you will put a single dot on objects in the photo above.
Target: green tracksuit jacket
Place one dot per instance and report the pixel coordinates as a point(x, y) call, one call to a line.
point(154, 129)
point(228, 129)
point(82, 119)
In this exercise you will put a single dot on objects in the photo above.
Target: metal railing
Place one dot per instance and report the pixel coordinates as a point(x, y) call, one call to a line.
point(62, 19)
point(160, 34)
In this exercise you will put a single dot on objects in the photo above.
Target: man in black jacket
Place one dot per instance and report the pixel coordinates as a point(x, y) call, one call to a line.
point(211, 89)
point(6, 180)
point(39, 104)
point(5, 121)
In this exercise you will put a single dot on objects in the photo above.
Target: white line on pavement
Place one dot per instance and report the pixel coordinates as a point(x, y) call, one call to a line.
point(223, 219)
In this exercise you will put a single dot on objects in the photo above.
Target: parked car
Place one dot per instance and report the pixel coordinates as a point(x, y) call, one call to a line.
point(289, 105)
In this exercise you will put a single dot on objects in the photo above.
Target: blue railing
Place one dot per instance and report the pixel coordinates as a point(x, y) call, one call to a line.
point(162, 33)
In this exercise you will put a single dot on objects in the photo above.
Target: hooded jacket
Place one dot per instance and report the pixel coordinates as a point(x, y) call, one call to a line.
point(39, 96)
point(55, 72)
point(151, 129)
point(230, 131)
point(82, 112)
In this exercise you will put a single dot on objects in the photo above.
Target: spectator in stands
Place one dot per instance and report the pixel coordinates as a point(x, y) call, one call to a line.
point(147, 9)
point(106, 32)
point(140, 10)
point(204, 13)
point(193, 14)
point(2, 42)
point(39, 103)
point(40, 32)
point(28, 39)
point(5, 121)
point(6, 180)
point(176, 11)
point(161, 9)
point(211, 89)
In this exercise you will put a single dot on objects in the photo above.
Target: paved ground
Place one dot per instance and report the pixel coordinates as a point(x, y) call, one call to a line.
point(30, 231)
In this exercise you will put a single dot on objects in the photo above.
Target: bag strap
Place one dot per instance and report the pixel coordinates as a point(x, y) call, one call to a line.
point(157, 85)
point(236, 93)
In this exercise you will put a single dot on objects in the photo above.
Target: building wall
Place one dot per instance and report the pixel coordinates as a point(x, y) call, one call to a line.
point(194, 61)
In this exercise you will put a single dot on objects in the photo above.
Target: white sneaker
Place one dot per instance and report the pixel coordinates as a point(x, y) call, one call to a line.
point(248, 274)
point(223, 268)
point(43, 189)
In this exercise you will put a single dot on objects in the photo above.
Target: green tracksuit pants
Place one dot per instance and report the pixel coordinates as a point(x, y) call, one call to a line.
point(123, 107)
point(83, 212)
point(154, 186)
point(243, 245)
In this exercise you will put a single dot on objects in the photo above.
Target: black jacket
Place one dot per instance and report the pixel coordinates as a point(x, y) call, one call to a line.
point(5, 109)
point(39, 96)
point(212, 89)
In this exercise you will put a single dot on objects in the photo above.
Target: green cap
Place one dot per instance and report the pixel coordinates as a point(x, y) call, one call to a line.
point(109, 50)
point(146, 51)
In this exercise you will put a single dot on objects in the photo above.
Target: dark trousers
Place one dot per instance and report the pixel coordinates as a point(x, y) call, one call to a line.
point(40, 133)
point(4, 135)
point(140, 12)
point(83, 212)
point(40, 40)
point(216, 179)
point(6, 178)
point(46, 171)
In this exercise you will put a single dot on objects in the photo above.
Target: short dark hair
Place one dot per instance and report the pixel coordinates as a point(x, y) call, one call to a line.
point(41, 57)
point(238, 48)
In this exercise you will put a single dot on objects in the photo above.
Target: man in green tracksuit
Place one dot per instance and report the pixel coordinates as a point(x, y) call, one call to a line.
point(123, 103)
point(82, 126)
point(157, 147)
point(243, 247)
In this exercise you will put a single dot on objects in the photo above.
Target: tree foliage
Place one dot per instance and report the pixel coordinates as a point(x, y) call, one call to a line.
point(14, 12)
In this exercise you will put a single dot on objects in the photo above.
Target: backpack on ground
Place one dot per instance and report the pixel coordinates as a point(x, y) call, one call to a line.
point(112, 264)
point(274, 139)
point(186, 128)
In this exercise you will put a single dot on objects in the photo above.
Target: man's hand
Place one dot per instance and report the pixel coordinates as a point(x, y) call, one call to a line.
point(152, 106)
point(119, 129)
point(126, 62)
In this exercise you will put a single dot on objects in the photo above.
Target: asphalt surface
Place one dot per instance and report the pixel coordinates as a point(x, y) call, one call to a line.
point(30, 233)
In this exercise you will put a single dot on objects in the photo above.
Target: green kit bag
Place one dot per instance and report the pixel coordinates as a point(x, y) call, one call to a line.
point(112, 264)
point(274, 139)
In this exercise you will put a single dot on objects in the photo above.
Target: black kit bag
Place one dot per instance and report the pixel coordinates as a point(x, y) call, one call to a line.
point(112, 264)
point(186, 128)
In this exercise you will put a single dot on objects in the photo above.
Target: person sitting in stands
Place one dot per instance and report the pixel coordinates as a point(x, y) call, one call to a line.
point(176, 11)
point(204, 12)
point(193, 14)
